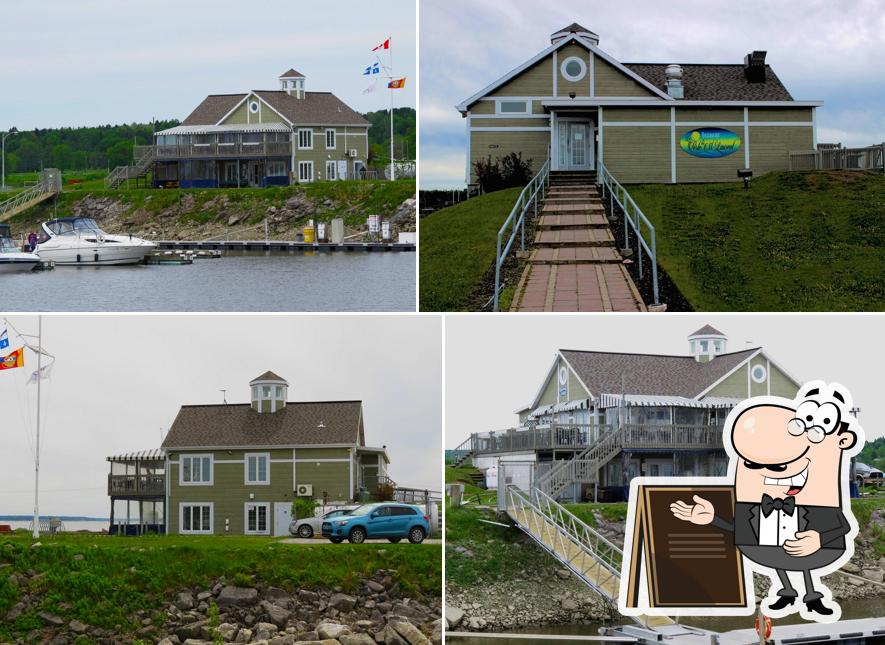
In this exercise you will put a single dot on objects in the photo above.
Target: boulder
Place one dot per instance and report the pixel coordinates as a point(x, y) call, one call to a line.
point(282, 639)
point(328, 641)
point(51, 619)
point(166, 641)
point(436, 632)
point(228, 631)
point(191, 630)
point(244, 635)
point(77, 627)
point(375, 587)
point(264, 631)
point(390, 637)
point(342, 602)
point(185, 601)
point(277, 615)
point(356, 639)
point(563, 574)
point(454, 616)
point(876, 575)
point(307, 596)
point(409, 632)
point(331, 630)
point(237, 596)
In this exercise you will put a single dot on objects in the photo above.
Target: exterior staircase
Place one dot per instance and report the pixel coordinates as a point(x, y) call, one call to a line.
point(574, 265)
point(144, 161)
point(49, 185)
point(584, 467)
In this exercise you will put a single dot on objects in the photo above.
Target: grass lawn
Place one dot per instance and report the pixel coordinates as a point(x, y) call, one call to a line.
point(795, 241)
point(457, 248)
point(117, 576)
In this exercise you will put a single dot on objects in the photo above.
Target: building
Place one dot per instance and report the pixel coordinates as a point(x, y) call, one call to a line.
point(647, 122)
point(601, 418)
point(261, 138)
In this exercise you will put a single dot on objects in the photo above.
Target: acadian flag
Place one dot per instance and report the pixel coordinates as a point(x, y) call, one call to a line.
point(4, 339)
point(397, 84)
point(13, 360)
point(384, 45)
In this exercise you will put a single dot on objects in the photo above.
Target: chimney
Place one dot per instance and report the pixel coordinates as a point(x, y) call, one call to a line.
point(674, 81)
point(754, 67)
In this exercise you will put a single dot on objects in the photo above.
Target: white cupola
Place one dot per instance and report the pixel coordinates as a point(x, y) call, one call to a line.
point(269, 393)
point(707, 343)
point(292, 83)
point(574, 29)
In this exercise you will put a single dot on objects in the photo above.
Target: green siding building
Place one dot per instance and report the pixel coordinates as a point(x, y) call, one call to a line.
point(647, 122)
point(236, 469)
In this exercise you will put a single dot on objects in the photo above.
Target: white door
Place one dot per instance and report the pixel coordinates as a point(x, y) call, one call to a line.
point(575, 139)
point(342, 169)
point(282, 516)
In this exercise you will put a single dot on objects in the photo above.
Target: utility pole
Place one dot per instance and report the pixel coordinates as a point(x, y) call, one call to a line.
point(7, 134)
point(37, 454)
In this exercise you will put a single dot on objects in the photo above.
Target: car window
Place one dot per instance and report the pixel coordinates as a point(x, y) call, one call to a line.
point(403, 510)
point(384, 511)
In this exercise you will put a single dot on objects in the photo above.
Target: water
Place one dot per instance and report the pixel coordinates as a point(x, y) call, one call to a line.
point(238, 281)
point(70, 527)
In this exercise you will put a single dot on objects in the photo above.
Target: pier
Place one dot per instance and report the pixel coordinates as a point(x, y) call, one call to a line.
point(286, 246)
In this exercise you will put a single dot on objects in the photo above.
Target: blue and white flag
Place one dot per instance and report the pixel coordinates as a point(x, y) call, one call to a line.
point(4, 339)
point(372, 69)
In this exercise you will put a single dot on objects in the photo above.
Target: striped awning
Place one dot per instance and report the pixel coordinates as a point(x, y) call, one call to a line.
point(565, 406)
point(212, 129)
point(157, 454)
point(649, 400)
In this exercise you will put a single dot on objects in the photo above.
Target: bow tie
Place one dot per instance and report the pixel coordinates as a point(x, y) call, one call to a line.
point(769, 504)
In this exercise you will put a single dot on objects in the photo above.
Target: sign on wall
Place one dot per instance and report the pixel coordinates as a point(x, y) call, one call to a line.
point(710, 143)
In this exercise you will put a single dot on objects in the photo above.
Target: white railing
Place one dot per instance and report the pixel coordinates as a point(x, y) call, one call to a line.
point(515, 222)
point(634, 219)
point(583, 467)
point(869, 158)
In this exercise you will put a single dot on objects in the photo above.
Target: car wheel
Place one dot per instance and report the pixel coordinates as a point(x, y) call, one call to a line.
point(336, 540)
point(416, 535)
point(357, 536)
point(394, 540)
point(305, 531)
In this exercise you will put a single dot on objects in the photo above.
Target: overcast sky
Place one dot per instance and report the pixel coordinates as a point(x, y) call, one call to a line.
point(94, 62)
point(820, 49)
point(494, 367)
point(119, 381)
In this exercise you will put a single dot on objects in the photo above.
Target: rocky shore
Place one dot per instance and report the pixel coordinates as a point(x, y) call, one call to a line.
point(378, 613)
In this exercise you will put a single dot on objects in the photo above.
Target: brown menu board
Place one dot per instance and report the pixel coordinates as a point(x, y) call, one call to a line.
point(686, 565)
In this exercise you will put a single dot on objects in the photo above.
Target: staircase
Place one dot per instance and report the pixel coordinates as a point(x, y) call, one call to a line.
point(584, 467)
point(574, 265)
point(50, 184)
point(144, 160)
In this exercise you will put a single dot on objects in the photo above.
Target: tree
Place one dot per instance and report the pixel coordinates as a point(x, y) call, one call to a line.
point(120, 154)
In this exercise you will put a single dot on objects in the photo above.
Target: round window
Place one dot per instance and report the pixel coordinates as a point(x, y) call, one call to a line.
point(563, 375)
point(253, 107)
point(573, 68)
point(759, 373)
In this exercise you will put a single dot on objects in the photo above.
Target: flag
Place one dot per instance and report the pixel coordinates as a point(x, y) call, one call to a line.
point(397, 83)
point(13, 360)
point(384, 45)
point(4, 339)
point(371, 87)
point(372, 69)
point(44, 373)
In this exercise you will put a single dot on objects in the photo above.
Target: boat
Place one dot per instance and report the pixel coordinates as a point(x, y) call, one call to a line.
point(79, 240)
point(12, 258)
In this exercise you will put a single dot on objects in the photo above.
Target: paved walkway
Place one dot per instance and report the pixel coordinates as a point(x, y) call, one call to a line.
point(574, 265)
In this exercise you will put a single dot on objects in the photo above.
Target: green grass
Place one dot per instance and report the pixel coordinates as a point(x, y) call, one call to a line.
point(616, 512)
point(118, 576)
point(797, 241)
point(457, 248)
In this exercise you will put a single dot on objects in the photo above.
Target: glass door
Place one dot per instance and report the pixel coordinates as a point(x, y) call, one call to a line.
point(578, 145)
point(574, 145)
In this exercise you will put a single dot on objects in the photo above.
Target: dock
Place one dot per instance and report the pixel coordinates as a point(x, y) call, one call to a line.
point(283, 246)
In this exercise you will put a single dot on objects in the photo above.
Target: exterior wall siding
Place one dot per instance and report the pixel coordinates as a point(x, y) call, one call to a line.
point(532, 145)
point(319, 155)
point(700, 115)
point(237, 116)
point(611, 81)
point(734, 385)
point(535, 81)
point(563, 85)
point(781, 384)
point(700, 169)
point(637, 154)
point(770, 146)
point(640, 114)
point(780, 114)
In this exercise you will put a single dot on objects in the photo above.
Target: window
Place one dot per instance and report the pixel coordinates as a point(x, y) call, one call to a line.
point(305, 139)
point(403, 510)
point(254, 392)
point(257, 518)
point(196, 470)
point(276, 168)
point(573, 68)
point(227, 138)
point(513, 107)
point(253, 107)
point(230, 177)
point(195, 517)
point(202, 139)
point(252, 138)
point(331, 173)
point(257, 468)
point(330, 139)
point(265, 391)
point(759, 373)
point(705, 347)
point(279, 391)
point(305, 171)
point(717, 346)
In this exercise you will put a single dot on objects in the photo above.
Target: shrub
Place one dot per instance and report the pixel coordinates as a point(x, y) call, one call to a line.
point(385, 493)
point(508, 171)
point(304, 507)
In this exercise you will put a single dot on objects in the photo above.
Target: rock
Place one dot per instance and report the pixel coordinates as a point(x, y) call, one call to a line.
point(78, 557)
point(264, 631)
point(454, 616)
point(204, 595)
point(331, 630)
point(191, 630)
point(342, 602)
point(569, 604)
point(51, 619)
point(411, 633)
point(277, 615)
point(282, 639)
point(307, 596)
point(436, 632)
point(35, 545)
point(195, 641)
point(876, 575)
point(563, 574)
point(850, 567)
point(407, 611)
point(375, 586)
point(228, 631)
point(77, 627)
point(328, 641)
point(237, 596)
point(308, 636)
point(166, 641)
point(390, 637)
point(185, 601)
point(356, 639)
point(244, 635)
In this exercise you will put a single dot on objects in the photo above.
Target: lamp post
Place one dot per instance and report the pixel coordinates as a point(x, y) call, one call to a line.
point(3, 157)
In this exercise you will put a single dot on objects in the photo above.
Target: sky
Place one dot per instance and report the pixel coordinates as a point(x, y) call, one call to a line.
point(95, 62)
point(119, 381)
point(494, 367)
point(820, 49)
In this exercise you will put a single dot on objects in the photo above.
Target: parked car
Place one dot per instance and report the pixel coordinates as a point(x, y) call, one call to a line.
point(307, 527)
point(867, 475)
point(389, 520)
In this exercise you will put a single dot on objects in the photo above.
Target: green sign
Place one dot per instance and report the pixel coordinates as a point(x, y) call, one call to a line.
point(710, 143)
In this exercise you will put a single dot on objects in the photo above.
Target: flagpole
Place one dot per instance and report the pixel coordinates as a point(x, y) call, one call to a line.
point(390, 89)
point(37, 455)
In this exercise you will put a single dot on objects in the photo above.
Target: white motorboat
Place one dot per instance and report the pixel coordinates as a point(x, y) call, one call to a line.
point(79, 240)
point(12, 258)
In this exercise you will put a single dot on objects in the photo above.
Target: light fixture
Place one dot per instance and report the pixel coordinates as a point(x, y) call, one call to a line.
point(572, 95)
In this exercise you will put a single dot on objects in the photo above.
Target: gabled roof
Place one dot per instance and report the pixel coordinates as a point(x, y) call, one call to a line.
point(239, 426)
point(702, 82)
point(213, 108)
point(707, 330)
point(291, 74)
point(268, 376)
point(573, 28)
point(316, 108)
point(601, 372)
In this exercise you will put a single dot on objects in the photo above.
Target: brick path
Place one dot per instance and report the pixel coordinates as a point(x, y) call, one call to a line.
point(574, 265)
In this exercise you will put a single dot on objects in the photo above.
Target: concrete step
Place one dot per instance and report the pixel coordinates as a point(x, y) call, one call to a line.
point(586, 206)
point(577, 188)
point(567, 221)
point(575, 255)
point(575, 237)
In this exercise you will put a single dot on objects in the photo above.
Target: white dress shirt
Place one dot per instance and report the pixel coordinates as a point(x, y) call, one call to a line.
point(777, 527)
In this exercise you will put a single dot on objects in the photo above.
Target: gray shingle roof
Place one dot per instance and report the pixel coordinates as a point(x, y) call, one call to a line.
point(573, 28)
point(316, 108)
point(239, 426)
point(267, 376)
point(716, 82)
point(707, 330)
point(212, 109)
point(650, 373)
point(291, 74)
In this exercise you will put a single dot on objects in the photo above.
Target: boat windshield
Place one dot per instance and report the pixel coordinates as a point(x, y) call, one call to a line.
point(8, 245)
point(78, 226)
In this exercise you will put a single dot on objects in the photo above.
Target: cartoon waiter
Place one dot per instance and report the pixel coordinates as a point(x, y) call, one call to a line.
point(792, 512)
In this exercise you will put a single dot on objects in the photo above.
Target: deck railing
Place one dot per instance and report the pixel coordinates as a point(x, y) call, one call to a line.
point(136, 485)
point(869, 158)
point(200, 150)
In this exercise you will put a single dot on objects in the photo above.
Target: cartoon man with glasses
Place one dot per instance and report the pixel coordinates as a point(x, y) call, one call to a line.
point(788, 461)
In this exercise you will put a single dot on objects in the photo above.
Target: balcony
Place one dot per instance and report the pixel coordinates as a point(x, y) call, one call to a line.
point(221, 150)
point(136, 486)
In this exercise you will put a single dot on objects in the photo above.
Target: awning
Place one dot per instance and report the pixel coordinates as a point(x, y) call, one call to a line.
point(212, 129)
point(157, 454)
point(648, 400)
point(565, 406)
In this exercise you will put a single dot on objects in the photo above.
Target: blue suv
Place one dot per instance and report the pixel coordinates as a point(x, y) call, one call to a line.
point(384, 520)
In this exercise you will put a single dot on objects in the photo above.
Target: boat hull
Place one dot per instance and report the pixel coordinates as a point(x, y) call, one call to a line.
point(104, 254)
point(18, 262)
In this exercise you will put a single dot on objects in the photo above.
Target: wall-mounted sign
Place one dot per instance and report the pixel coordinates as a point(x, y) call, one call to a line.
point(710, 143)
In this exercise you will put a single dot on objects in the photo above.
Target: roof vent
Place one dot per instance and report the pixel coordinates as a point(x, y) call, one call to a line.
point(754, 67)
point(674, 81)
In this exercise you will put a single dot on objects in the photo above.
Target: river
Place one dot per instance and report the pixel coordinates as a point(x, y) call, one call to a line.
point(238, 281)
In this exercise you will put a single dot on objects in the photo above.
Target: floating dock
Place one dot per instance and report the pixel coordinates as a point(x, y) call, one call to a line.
point(283, 246)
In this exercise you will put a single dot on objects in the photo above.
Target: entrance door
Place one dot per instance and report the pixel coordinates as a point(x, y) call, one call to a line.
point(255, 174)
point(575, 139)
point(282, 516)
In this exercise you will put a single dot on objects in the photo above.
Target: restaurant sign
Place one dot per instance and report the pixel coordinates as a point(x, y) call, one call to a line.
point(710, 143)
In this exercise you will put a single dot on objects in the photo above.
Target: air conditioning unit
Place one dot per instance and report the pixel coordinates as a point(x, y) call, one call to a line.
point(304, 490)
point(352, 152)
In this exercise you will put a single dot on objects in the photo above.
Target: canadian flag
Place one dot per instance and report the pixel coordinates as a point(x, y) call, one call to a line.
point(384, 45)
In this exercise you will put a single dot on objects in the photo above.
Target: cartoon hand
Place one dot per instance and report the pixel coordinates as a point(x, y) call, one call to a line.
point(806, 543)
point(700, 513)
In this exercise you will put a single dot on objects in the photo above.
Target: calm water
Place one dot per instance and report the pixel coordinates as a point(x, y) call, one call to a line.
point(238, 281)
point(70, 527)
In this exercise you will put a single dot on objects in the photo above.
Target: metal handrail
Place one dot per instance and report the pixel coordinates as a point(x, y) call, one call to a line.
point(617, 193)
point(516, 222)
point(44, 187)
point(582, 467)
